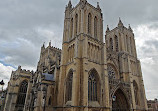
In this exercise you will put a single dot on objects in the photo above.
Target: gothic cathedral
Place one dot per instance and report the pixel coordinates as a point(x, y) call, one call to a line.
point(88, 74)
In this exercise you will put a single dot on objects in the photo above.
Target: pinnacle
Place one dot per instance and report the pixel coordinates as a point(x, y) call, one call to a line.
point(120, 24)
point(107, 30)
point(129, 27)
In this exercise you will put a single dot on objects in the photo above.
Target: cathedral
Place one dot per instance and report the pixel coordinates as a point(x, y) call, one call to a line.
point(88, 74)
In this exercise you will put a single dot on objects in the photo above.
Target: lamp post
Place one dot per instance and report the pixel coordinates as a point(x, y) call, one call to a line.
point(2, 96)
point(2, 83)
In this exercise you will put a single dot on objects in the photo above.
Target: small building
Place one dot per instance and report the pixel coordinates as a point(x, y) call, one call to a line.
point(152, 105)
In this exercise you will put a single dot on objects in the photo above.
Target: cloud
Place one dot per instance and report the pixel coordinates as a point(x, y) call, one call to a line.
point(5, 72)
point(146, 43)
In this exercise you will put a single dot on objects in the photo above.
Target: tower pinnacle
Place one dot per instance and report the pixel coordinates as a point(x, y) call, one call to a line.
point(98, 7)
point(129, 27)
point(69, 4)
point(120, 24)
point(107, 30)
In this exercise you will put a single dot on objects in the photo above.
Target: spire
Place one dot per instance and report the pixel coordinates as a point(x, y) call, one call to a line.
point(107, 30)
point(43, 48)
point(69, 4)
point(19, 67)
point(43, 45)
point(120, 24)
point(83, 0)
point(50, 43)
point(98, 7)
point(129, 27)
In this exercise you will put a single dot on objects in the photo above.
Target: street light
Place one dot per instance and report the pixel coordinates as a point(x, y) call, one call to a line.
point(114, 98)
point(2, 83)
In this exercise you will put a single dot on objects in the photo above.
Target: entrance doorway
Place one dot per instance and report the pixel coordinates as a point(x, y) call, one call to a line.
point(119, 101)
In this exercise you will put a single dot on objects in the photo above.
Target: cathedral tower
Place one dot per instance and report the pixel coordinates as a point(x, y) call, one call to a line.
point(83, 81)
point(124, 70)
point(88, 74)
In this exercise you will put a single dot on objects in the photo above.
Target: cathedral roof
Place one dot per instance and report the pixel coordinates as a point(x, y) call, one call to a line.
point(48, 77)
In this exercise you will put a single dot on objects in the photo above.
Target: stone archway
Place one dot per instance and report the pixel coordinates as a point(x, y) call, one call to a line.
point(119, 101)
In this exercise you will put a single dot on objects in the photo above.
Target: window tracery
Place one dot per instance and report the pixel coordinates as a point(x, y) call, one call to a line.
point(92, 87)
point(111, 72)
point(22, 93)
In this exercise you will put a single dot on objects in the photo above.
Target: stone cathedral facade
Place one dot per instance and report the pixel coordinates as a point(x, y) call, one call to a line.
point(88, 74)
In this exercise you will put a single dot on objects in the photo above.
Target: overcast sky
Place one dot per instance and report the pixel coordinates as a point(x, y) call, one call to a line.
point(26, 24)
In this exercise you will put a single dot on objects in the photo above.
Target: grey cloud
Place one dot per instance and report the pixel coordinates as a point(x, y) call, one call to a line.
point(22, 47)
point(30, 13)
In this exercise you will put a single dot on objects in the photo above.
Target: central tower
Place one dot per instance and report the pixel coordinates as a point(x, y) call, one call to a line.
point(83, 81)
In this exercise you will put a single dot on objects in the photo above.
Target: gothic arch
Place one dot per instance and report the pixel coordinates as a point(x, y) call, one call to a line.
point(69, 81)
point(120, 100)
point(93, 85)
point(22, 94)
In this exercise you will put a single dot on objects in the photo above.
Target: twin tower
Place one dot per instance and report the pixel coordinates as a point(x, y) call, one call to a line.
point(98, 76)
point(88, 74)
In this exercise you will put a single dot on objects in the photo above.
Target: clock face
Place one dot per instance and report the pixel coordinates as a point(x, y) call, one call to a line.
point(111, 72)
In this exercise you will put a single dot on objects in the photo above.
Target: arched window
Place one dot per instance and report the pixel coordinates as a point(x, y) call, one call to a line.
point(135, 87)
point(93, 86)
point(111, 44)
point(89, 23)
point(69, 86)
point(22, 93)
point(76, 24)
point(95, 27)
point(116, 43)
point(71, 31)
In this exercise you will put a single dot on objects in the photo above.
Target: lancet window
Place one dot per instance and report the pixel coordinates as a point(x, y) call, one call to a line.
point(71, 31)
point(93, 86)
point(95, 27)
point(76, 24)
point(135, 87)
point(89, 23)
point(49, 101)
point(116, 43)
point(69, 86)
point(111, 44)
